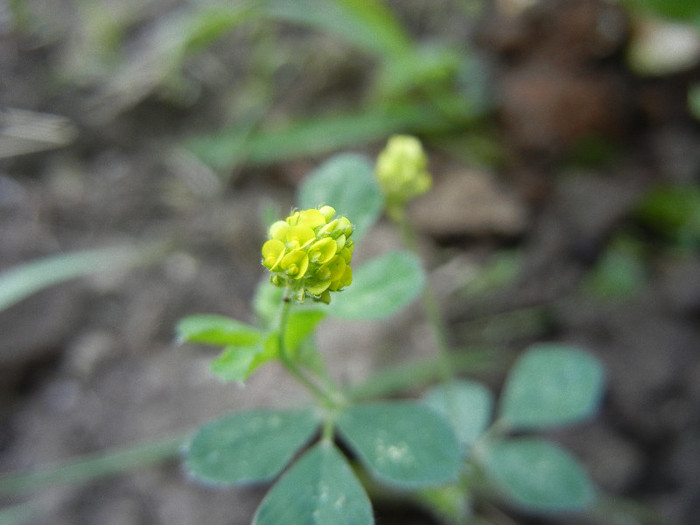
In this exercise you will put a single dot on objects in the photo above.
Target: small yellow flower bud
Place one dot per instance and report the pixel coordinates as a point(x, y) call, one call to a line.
point(327, 211)
point(401, 170)
point(279, 230)
point(309, 253)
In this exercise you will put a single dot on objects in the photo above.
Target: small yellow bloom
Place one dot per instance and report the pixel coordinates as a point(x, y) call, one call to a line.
point(272, 252)
point(295, 264)
point(401, 170)
point(310, 253)
point(323, 251)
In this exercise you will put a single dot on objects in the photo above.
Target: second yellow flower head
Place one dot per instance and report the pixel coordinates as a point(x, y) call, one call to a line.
point(402, 170)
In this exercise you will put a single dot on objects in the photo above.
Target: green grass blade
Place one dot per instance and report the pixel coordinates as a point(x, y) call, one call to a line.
point(22, 281)
point(318, 135)
point(93, 466)
point(367, 24)
point(19, 514)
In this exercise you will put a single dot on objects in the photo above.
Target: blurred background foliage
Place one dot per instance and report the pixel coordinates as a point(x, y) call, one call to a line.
point(224, 86)
point(258, 94)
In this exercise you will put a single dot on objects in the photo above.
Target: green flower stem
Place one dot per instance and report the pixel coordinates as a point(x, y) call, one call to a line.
point(93, 466)
point(430, 304)
point(323, 395)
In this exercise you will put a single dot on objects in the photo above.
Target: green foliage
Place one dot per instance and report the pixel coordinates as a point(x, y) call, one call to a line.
point(345, 182)
point(551, 385)
point(320, 488)
point(674, 213)
point(498, 272)
point(439, 447)
point(467, 405)
point(694, 100)
point(419, 88)
point(436, 448)
point(367, 24)
point(316, 135)
point(266, 303)
point(680, 10)
point(19, 514)
point(301, 325)
point(620, 273)
point(250, 446)
point(402, 443)
point(427, 67)
point(246, 347)
point(237, 363)
point(216, 330)
point(381, 287)
point(92, 466)
point(537, 475)
point(421, 446)
point(22, 281)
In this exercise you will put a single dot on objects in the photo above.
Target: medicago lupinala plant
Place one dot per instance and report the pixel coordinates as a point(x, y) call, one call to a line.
point(442, 450)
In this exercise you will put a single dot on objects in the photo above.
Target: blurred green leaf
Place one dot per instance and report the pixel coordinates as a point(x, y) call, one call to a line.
point(429, 66)
point(380, 288)
point(320, 488)
point(316, 135)
point(501, 270)
point(694, 100)
point(402, 443)
point(237, 363)
point(206, 24)
point(451, 503)
point(674, 212)
point(367, 24)
point(681, 10)
point(346, 182)
point(93, 466)
point(217, 330)
point(159, 58)
point(537, 474)
point(301, 325)
point(22, 281)
point(251, 446)
point(465, 404)
point(620, 272)
point(19, 514)
point(550, 385)
point(267, 301)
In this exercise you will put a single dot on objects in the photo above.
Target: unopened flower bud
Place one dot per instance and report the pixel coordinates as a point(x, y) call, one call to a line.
point(401, 170)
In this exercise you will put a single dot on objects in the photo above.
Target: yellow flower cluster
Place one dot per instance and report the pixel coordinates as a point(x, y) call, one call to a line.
point(402, 170)
point(309, 253)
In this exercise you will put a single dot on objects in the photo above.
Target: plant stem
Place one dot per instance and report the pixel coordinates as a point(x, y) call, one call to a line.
point(430, 304)
point(93, 466)
point(321, 394)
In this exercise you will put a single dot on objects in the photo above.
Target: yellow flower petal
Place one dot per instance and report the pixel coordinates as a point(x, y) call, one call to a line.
point(327, 211)
point(278, 230)
point(336, 267)
point(272, 252)
point(295, 264)
point(319, 288)
point(310, 218)
point(298, 236)
point(322, 251)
